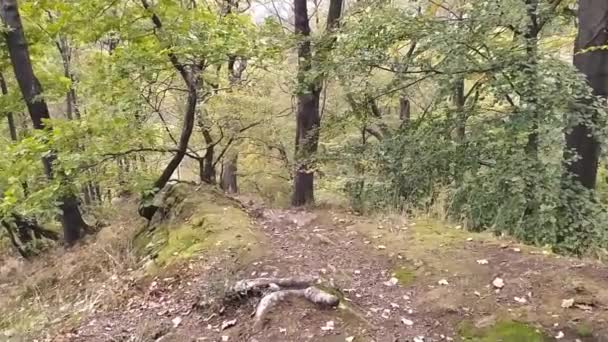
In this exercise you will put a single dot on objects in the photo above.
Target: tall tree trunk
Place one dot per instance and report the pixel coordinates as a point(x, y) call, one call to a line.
point(532, 107)
point(31, 89)
point(190, 77)
point(308, 121)
point(582, 146)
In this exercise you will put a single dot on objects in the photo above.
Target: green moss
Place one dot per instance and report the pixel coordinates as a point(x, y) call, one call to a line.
point(584, 330)
point(200, 221)
point(504, 331)
point(405, 275)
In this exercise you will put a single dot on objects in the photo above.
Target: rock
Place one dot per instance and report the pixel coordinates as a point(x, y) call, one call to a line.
point(176, 321)
point(407, 321)
point(520, 300)
point(392, 282)
point(498, 283)
point(443, 282)
point(228, 324)
point(567, 303)
point(329, 325)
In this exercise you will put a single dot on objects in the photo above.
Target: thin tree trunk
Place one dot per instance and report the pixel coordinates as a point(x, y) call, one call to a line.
point(582, 146)
point(531, 74)
point(532, 107)
point(9, 115)
point(459, 102)
point(189, 76)
point(86, 194)
point(14, 242)
point(206, 164)
point(404, 110)
point(31, 89)
point(229, 175)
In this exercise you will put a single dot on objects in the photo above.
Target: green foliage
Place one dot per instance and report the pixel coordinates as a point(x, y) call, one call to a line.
point(491, 177)
point(491, 157)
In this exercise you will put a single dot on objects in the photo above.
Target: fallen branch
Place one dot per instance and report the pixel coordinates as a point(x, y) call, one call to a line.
point(312, 294)
point(261, 284)
point(276, 290)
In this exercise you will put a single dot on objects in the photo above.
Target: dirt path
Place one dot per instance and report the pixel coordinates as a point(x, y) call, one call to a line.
point(399, 281)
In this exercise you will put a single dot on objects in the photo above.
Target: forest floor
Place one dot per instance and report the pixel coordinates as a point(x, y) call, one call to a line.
point(398, 279)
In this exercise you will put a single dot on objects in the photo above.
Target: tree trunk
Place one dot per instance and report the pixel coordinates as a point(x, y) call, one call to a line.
point(206, 168)
point(404, 110)
point(65, 50)
point(461, 118)
point(582, 146)
point(308, 121)
point(307, 139)
point(9, 115)
point(229, 175)
point(189, 76)
point(206, 164)
point(531, 73)
point(307, 114)
point(31, 89)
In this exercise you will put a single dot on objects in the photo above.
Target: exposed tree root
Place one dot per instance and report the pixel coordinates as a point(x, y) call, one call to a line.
point(312, 294)
point(276, 290)
point(258, 285)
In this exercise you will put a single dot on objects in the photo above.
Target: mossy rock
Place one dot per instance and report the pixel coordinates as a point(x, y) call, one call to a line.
point(503, 331)
point(201, 221)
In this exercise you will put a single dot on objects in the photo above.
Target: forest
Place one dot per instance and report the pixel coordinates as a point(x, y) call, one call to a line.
point(159, 132)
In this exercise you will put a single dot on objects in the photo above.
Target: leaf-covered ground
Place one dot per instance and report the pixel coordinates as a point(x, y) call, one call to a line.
point(398, 280)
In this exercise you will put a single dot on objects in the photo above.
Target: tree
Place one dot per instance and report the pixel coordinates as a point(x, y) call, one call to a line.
point(31, 89)
point(189, 75)
point(308, 121)
point(9, 115)
point(582, 144)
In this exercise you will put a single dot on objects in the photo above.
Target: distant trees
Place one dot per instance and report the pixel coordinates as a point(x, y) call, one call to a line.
point(459, 99)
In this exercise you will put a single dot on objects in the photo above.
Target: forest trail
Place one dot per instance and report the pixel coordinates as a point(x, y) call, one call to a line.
point(398, 281)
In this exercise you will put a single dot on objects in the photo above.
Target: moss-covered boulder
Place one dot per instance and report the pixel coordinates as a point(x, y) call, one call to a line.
point(194, 220)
